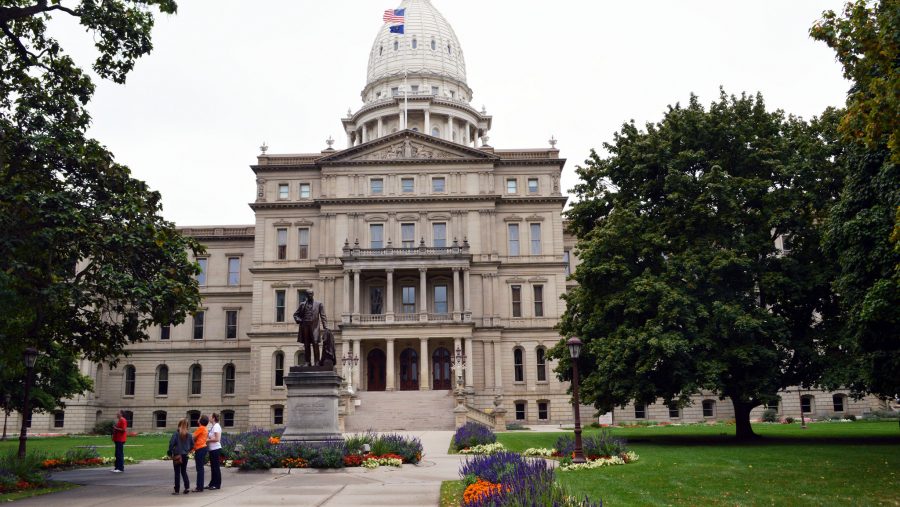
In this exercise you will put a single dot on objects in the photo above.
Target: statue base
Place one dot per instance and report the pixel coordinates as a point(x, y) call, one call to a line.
point(312, 404)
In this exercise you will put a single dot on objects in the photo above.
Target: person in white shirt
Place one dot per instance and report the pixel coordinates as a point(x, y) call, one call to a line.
point(213, 443)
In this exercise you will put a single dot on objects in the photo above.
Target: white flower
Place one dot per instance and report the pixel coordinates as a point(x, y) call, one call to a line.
point(538, 451)
point(601, 462)
point(484, 449)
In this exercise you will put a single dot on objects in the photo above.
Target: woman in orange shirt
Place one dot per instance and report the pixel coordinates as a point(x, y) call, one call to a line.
point(200, 451)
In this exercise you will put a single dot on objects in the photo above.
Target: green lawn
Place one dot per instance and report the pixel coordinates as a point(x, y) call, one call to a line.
point(140, 447)
point(54, 487)
point(827, 464)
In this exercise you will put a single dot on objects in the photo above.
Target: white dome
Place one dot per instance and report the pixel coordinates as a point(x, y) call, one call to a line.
point(437, 52)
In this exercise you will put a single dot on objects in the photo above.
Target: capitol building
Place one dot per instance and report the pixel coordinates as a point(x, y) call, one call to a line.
point(440, 260)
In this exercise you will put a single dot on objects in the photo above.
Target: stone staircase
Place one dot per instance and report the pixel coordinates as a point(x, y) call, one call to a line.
point(402, 410)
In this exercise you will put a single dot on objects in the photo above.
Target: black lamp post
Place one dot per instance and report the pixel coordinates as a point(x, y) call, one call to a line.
point(6, 400)
point(574, 345)
point(29, 356)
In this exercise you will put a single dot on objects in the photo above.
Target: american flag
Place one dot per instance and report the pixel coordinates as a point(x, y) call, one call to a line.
point(394, 15)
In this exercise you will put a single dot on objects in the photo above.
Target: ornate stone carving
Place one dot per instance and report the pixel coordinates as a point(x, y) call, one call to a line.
point(260, 189)
point(406, 150)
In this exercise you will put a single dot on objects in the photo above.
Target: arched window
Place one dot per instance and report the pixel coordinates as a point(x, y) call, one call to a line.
point(130, 376)
point(541, 364)
point(194, 418)
point(196, 379)
point(839, 401)
point(129, 417)
point(709, 408)
point(519, 364)
point(396, 45)
point(228, 374)
point(436, 132)
point(299, 358)
point(415, 43)
point(433, 44)
point(162, 380)
point(159, 419)
point(279, 369)
point(806, 404)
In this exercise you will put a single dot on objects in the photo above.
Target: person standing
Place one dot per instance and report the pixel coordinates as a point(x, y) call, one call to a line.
point(215, 450)
point(119, 436)
point(180, 445)
point(200, 451)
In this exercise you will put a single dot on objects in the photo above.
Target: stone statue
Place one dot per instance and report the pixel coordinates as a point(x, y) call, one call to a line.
point(309, 315)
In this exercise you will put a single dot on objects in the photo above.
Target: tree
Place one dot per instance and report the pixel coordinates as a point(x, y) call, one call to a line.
point(681, 287)
point(87, 263)
point(859, 228)
point(56, 378)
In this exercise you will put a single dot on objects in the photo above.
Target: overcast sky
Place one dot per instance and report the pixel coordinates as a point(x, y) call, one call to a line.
point(226, 75)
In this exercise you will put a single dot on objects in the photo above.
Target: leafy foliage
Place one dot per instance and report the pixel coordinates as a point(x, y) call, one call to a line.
point(681, 287)
point(56, 377)
point(472, 434)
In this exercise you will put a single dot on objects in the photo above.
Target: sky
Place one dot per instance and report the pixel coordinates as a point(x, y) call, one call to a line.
point(227, 75)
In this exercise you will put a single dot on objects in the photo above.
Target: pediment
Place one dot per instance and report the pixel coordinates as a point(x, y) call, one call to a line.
point(407, 145)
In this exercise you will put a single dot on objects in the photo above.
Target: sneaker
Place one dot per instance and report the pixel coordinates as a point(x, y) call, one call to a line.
point(212, 487)
point(186, 491)
point(117, 471)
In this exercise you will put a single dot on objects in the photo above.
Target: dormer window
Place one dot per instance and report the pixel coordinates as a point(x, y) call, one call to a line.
point(433, 44)
point(396, 45)
point(415, 44)
point(380, 50)
point(449, 49)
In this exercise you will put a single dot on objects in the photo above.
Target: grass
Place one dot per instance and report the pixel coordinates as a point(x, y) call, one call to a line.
point(53, 487)
point(451, 493)
point(827, 464)
point(140, 447)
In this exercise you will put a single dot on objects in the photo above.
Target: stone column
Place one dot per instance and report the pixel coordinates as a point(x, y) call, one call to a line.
point(498, 366)
point(356, 352)
point(488, 364)
point(356, 298)
point(389, 317)
point(467, 296)
point(365, 133)
point(389, 385)
point(349, 140)
point(423, 300)
point(380, 127)
point(449, 128)
point(425, 362)
point(456, 293)
point(345, 310)
point(428, 122)
point(470, 367)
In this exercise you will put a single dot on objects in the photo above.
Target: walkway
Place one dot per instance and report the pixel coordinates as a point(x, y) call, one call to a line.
point(150, 484)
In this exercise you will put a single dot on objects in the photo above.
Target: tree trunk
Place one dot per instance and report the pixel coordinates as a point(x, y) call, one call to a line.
point(742, 419)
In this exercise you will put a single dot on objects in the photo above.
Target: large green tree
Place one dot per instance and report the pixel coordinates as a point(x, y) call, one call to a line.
point(866, 40)
point(87, 263)
point(681, 287)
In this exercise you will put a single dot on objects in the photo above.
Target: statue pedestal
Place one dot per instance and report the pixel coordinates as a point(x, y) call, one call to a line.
point(312, 404)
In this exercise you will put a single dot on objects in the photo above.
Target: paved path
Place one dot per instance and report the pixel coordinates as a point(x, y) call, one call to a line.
point(150, 484)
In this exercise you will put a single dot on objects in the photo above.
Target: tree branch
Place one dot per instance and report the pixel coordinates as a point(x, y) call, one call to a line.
point(23, 51)
point(14, 13)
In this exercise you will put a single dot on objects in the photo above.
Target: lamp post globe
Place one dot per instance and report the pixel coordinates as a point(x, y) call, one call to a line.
point(574, 345)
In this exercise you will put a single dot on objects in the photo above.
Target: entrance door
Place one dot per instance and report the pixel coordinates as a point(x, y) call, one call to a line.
point(409, 370)
point(375, 366)
point(441, 368)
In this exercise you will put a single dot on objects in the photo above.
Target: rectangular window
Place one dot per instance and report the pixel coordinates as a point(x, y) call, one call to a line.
point(805, 404)
point(278, 416)
point(376, 300)
point(518, 364)
point(520, 410)
point(395, 91)
point(511, 186)
point(439, 231)
point(196, 380)
point(538, 300)
point(376, 236)
point(231, 324)
point(513, 234)
point(279, 305)
point(228, 418)
point(415, 88)
point(376, 185)
point(516, 300)
point(440, 299)
point(438, 185)
point(407, 185)
point(567, 262)
point(199, 317)
point(532, 185)
point(165, 332)
point(709, 408)
point(229, 381)
point(543, 410)
point(408, 235)
point(674, 411)
point(279, 369)
point(541, 364)
point(281, 241)
point(434, 90)
point(59, 419)
point(303, 242)
point(284, 191)
point(535, 230)
point(162, 381)
point(201, 276)
point(160, 419)
point(838, 401)
point(409, 299)
point(305, 191)
point(234, 271)
point(639, 411)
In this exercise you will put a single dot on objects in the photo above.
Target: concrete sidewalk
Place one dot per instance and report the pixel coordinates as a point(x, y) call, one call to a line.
point(150, 484)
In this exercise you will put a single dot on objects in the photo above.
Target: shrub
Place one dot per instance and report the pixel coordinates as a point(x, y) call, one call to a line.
point(516, 426)
point(473, 434)
point(326, 455)
point(81, 454)
point(851, 417)
point(103, 428)
point(881, 415)
point(593, 446)
point(408, 448)
point(789, 420)
point(23, 473)
point(770, 415)
point(355, 443)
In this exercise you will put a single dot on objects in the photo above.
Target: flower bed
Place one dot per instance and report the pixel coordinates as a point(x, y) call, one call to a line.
point(80, 457)
point(471, 435)
point(262, 450)
point(483, 449)
point(20, 474)
point(603, 461)
point(507, 479)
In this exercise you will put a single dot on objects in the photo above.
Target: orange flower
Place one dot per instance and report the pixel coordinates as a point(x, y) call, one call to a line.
point(274, 440)
point(480, 488)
